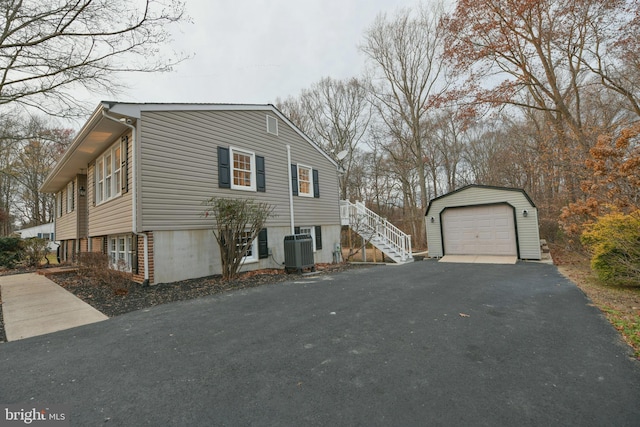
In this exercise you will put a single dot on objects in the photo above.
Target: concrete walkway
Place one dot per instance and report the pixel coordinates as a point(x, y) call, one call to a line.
point(33, 305)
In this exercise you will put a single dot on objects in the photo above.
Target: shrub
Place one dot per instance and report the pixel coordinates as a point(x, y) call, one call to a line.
point(10, 251)
point(614, 242)
point(95, 266)
point(90, 263)
point(34, 251)
point(237, 224)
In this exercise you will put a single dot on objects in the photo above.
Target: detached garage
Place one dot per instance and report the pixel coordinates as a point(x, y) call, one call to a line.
point(483, 220)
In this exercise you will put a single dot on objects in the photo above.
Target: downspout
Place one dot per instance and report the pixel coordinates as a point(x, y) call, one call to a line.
point(134, 203)
point(293, 228)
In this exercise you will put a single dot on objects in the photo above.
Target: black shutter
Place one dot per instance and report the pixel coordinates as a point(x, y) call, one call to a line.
point(93, 182)
point(73, 195)
point(261, 184)
point(124, 167)
point(224, 168)
point(316, 184)
point(263, 246)
point(318, 237)
point(294, 179)
point(135, 269)
point(296, 230)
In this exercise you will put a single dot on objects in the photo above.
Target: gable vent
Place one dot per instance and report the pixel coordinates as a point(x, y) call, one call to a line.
point(272, 125)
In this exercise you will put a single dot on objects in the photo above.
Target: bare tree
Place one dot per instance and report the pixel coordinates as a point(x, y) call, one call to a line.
point(340, 114)
point(9, 139)
point(48, 47)
point(293, 108)
point(407, 73)
point(37, 154)
point(614, 54)
point(539, 49)
point(336, 115)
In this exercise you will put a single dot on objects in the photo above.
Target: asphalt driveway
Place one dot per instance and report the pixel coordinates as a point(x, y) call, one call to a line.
point(421, 344)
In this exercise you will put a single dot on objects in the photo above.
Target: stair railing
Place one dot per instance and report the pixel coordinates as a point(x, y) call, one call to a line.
point(364, 220)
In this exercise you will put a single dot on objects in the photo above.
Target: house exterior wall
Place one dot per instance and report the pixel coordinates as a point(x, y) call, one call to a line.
point(184, 254)
point(526, 227)
point(26, 233)
point(82, 206)
point(179, 168)
point(112, 216)
point(67, 223)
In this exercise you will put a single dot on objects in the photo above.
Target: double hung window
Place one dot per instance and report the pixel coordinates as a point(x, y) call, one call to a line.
point(70, 197)
point(108, 174)
point(243, 166)
point(251, 253)
point(120, 252)
point(304, 181)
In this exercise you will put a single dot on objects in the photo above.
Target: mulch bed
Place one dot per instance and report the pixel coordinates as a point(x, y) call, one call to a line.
point(114, 301)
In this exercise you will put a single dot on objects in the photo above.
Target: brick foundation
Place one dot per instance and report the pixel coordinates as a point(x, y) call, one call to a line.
point(139, 277)
point(97, 244)
point(84, 245)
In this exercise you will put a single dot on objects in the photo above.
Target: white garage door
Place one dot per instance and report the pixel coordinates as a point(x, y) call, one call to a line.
point(479, 230)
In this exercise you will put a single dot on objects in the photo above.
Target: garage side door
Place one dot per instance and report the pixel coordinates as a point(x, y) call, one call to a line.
point(479, 230)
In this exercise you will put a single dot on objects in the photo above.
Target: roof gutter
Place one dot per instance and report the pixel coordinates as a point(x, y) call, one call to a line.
point(134, 192)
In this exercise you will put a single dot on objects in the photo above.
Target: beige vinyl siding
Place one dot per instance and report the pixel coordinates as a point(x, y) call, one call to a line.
point(309, 210)
point(67, 224)
point(179, 167)
point(112, 216)
point(81, 206)
point(527, 228)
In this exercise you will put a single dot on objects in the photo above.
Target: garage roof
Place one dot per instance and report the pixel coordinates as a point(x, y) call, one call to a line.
point(493, 187)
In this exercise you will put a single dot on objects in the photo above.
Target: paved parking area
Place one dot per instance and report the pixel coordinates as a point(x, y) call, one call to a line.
point(426, 343)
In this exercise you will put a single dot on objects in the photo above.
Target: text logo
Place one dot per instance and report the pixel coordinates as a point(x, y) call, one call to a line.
point(34, 415)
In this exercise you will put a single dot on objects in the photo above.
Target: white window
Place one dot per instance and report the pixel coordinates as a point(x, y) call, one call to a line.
point(251, 255)
point(117, 163)
point(272, 125)
point(59, 203)
point(120, 252)
point(108, 176)
point(99, 180)
point(108, 165)
point(310, 231)
point(70, 199)
point(243, 170)
point(305, 187)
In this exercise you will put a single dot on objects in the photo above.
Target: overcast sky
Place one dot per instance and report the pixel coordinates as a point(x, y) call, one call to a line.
point(254, 51)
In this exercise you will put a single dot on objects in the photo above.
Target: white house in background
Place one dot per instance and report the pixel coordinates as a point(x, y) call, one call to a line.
point(483, 220)
point(132, 183)
point(43, 231)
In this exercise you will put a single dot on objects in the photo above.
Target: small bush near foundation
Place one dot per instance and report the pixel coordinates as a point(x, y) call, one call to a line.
point(96, 266)
point(35, 250)
point(614, 242)
point(10, 251)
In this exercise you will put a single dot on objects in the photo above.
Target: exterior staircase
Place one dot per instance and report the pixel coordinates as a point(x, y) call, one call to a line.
point(388, 238)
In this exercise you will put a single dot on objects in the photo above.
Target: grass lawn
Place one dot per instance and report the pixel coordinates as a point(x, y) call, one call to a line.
point(620, 304)
point(53, 259)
